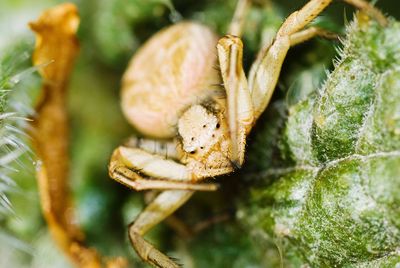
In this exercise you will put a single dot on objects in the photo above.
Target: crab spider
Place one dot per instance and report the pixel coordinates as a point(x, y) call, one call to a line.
point(200, 132)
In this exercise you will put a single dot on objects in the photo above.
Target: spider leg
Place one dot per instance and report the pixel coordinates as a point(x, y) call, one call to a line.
point(309, 33)
point(240, 107)
point(160, 208)
point(265, 70)
point(168, 149)
point(238, 20)
point(247, 100)
point(230, 54)
point(141, 170)
point(144, 166)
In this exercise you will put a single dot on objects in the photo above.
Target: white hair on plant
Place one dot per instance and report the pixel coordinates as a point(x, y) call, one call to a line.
point(15, 76)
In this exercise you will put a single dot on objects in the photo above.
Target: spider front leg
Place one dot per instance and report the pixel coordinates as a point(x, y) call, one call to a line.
point(246, 101)
point(264, 72)
point(148, 164)
point(240, 106)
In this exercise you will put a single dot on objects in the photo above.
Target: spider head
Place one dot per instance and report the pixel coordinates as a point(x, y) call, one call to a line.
point(200, 130)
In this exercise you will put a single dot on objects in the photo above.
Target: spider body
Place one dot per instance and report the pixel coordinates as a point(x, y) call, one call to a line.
point(168, 93)
point(171, 90)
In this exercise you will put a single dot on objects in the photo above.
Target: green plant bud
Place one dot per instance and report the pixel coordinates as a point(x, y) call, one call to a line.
point(336, 202)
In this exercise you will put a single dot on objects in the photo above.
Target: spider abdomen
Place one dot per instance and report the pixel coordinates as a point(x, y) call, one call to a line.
point(172, 70)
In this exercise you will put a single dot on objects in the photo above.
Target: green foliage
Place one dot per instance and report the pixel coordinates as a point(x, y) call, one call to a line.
point(334, 199)
point(117, 25)
point(221, 246)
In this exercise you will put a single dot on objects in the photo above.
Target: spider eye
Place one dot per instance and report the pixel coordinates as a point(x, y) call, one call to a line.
point(192, 138)
point(202, 147)
point(204, 126)
point(192, 152)
point(217, 126)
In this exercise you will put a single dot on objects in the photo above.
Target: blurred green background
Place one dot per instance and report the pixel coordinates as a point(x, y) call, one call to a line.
point(110, 32)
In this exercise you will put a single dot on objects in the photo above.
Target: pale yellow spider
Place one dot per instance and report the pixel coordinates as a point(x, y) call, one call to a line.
point(168, 94)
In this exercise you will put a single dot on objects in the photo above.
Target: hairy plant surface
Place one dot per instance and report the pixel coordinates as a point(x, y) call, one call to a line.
point(333, 201)
point(15, 77)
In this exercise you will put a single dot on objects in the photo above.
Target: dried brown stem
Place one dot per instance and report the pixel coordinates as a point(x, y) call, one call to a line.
point(55, 53)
